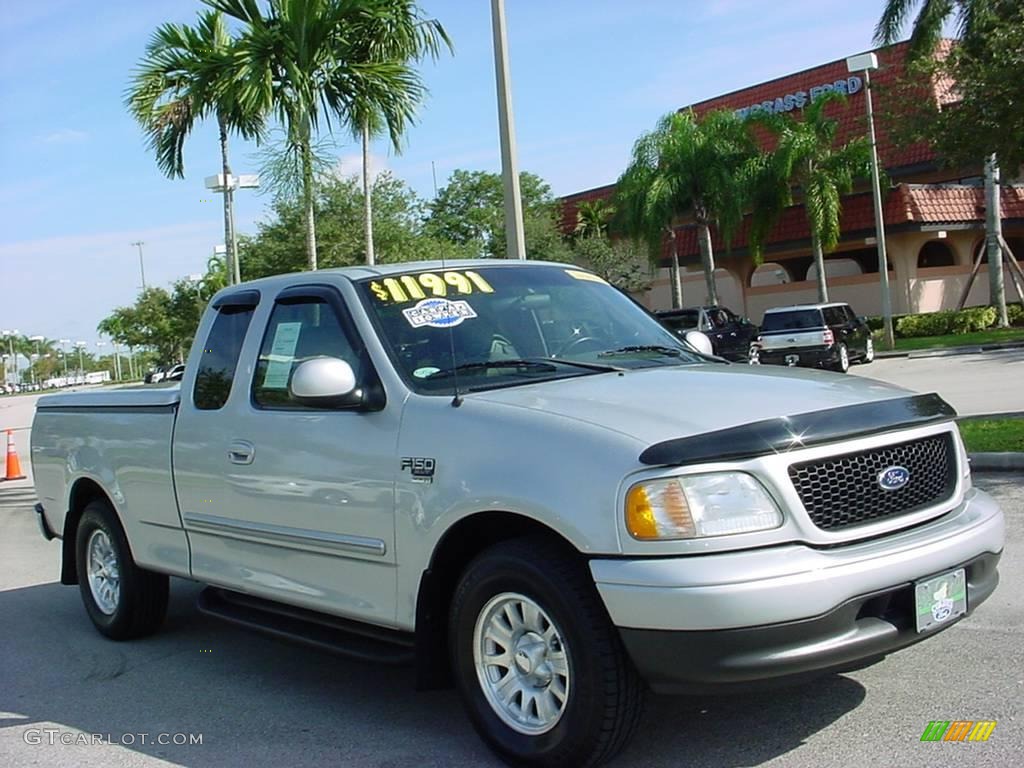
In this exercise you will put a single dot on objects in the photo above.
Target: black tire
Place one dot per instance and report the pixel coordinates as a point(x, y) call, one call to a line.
point(142, 595)
point(605, 696)
point(842, 363)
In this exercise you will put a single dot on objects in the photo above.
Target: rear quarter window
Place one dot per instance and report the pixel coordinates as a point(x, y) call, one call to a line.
point(795, 320)
point(220, 358)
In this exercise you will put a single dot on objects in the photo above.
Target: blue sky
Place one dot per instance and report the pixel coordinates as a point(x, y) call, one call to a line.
point(78, 185)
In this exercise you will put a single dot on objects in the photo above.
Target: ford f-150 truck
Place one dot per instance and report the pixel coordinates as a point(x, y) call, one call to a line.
point(512, 476)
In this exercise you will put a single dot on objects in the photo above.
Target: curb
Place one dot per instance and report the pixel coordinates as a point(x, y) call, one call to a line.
point(996, 462)
point(949, 351)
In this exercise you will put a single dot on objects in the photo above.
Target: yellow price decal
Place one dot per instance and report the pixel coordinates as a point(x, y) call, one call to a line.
point(579, 274)
point(428, 284)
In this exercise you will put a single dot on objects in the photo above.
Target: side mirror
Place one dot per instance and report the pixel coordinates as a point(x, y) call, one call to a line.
point(325, 382)
point(699, 342)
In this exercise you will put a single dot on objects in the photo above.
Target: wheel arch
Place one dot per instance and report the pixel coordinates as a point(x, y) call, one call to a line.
point(83, 491)
point(463, 541)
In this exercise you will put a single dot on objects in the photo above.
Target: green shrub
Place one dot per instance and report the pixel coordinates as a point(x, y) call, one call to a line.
point(1015, 314)
point(973, 320)
point(928, 324)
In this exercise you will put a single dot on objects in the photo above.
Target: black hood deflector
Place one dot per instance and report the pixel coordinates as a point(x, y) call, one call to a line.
point(787, 433)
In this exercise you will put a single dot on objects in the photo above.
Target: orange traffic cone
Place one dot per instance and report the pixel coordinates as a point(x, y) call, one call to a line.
point(13, 465)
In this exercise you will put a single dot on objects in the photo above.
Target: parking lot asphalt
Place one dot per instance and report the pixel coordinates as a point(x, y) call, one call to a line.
point(258, 702)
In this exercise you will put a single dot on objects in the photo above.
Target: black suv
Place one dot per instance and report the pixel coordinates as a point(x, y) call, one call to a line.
point(729, 333)
point(814, 336)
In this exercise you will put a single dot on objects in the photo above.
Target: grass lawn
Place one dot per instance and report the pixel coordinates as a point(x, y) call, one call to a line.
point(993, 335)
point(982, 435)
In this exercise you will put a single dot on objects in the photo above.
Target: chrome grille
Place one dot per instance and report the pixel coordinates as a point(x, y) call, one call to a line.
point(843, 491)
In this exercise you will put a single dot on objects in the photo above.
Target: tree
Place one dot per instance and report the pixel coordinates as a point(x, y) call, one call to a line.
point(306, 62)
point(686, 167)
point(469, 211)
point(593, 217)
point(623, 263)
point(187, 74)
point(399, 33)
point(400, 230)
point(807, 158)
point(984, 116)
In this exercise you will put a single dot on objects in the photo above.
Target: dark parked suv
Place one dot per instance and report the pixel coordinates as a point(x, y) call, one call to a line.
point(729, 333)
point(813, 336)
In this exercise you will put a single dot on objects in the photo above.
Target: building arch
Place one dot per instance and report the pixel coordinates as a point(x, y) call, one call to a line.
point(935, 253)
point(836, 266)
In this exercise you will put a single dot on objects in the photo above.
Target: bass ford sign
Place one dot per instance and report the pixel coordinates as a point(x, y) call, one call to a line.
point(800, 99)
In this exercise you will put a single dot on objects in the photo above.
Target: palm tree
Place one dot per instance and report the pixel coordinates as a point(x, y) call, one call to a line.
point(970, 16)
point(397, 33)
point(592, 218)
point(186, 75)
point(686, 167)
point(927, 29)
point(806, 157)
point(307, 61)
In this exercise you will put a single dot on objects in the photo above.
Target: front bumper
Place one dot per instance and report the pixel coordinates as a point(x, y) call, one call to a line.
point(857, 633)
point(697, 622)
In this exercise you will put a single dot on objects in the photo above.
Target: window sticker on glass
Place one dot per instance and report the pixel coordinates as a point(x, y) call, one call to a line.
point(408, 288)
point(579, 274)
point(282, 355)
point(438, 313)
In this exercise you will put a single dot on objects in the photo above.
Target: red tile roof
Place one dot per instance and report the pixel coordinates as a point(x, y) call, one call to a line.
point(905, 204)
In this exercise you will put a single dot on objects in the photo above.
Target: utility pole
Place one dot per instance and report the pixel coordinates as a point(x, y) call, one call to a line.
point(994, 241)
point(515, 241)
point(142, 266)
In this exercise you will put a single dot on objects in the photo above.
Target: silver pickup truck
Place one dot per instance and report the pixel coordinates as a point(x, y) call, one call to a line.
point(512, 476)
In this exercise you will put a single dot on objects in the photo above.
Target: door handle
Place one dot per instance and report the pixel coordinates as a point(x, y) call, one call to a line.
point(241, 452)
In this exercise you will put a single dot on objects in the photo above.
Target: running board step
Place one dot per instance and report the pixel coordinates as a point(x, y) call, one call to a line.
point(322, 631)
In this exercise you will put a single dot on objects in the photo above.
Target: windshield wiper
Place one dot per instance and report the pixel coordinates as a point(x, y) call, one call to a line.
point(539, 364)
point(658, 348)
point(487, 365)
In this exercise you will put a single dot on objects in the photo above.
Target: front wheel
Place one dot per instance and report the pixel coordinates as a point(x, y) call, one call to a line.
point(542, 672)
point(123, 600)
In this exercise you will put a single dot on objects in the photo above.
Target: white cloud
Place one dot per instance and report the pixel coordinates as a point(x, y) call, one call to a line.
point(65, 136)
point(352, 165)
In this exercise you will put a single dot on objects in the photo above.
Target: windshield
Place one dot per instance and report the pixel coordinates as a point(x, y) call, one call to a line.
point(501, 326)
point(796, 320)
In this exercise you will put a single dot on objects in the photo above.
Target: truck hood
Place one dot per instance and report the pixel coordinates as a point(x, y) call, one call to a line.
point(657, 404)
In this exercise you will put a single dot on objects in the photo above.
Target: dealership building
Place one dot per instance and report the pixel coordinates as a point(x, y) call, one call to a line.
point(934, 215)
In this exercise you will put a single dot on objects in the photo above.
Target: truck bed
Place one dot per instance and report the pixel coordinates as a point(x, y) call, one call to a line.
point(118, 440)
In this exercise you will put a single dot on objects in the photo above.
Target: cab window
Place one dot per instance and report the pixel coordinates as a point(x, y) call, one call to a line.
point(298, 331)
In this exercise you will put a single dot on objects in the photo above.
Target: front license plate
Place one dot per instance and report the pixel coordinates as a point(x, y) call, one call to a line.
point(792, 359)
point(940, 599)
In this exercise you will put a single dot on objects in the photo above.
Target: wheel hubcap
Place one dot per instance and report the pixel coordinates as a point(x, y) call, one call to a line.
point(521, 663)
point(103, 571)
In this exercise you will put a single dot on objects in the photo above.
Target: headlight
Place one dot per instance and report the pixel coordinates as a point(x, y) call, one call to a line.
point(694, 506)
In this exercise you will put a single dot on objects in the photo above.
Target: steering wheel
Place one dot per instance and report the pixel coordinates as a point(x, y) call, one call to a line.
point(573, 343)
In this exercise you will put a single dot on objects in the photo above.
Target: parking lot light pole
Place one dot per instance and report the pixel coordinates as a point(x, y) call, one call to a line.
point(64, 354)
point(9, 335)
point(226, 185)
point(866, 62)
point(142, 267)
point(39, 355)
point(81, 364)
point(515, 241)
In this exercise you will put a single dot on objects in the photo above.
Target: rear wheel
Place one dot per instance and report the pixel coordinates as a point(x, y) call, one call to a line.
point(542, 672)
point(869, 351)
point(842, 363)
point(123, 600)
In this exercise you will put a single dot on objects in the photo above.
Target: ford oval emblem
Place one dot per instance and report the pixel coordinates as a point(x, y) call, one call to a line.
point(893, 478)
